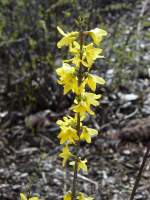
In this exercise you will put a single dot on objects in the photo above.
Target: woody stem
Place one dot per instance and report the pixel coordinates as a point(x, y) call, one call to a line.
point(75, 176)
point(140, 173)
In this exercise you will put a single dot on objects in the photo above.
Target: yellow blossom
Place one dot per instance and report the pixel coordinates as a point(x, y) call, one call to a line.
point(23, 197)
point(92, 80)
point(67, 121)
point(75, 60)
point(68, 196)
point(75, 50)
point(92, 99)
point(65, 154)
point(91, 54)
point(82, 107)
point(68, 134)
point(84, 104)
point(87, 133)
point(81, 196)
point(81, 164)
point(67, 78)
point(97, 35)
point(68, 38)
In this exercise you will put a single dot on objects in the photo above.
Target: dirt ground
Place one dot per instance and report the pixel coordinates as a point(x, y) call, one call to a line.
point(29, 163)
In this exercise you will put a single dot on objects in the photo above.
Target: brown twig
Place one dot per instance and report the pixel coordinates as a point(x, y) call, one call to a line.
point(140, 173)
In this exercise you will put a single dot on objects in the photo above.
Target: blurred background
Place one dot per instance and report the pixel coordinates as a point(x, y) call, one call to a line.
point(31, 100)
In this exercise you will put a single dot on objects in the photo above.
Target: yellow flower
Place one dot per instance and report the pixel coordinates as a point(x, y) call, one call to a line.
point(87, 133)
point(67, 121)
point(81, 164)
point(81, 196)
point(82, 107)
point(92, 99)
point(67, 78)
point(68, 134)
point(68, 38)
point(75, 50)
point(65, 154)
point(23, 197)
point(97, 35)
point(68, 196)
point(84, 104)
point(92, 80)
point(91, 54)
point(75, 60)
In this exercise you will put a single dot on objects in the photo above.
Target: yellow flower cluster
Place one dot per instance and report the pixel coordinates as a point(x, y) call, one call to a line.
point(75, 76)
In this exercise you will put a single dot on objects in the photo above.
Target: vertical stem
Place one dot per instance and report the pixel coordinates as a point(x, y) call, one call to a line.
point(75, 176)
point(140, 173)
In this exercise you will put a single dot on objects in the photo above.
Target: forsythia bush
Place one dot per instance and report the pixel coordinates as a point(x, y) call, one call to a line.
point(75, 76)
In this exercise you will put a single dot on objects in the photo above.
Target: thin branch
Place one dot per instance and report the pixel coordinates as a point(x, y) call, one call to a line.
point(140, 173)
